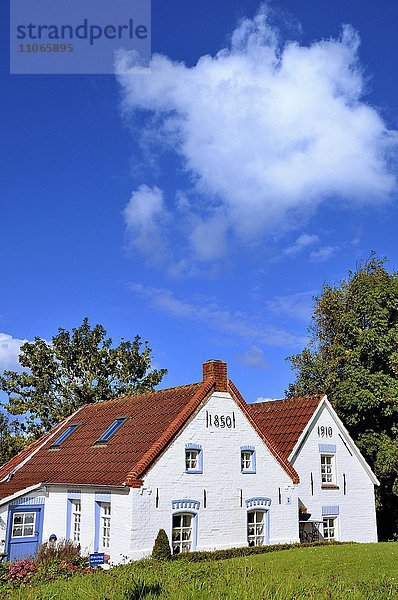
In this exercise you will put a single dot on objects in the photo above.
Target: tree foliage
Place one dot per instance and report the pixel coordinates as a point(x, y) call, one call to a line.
point(11, 441)
point(75, 368)
point(353, 357)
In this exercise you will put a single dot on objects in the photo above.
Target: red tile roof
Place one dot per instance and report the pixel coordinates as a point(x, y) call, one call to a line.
point(152, 417)
point(153, 420)
point(283, 421)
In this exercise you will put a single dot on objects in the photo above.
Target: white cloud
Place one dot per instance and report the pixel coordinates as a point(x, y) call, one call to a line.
point(323, 253)
point(266, 130)
point(9, 352)
point(303, 241)
point(235, 323)
point(296, 306)
point(254, 357)
point(144, 216)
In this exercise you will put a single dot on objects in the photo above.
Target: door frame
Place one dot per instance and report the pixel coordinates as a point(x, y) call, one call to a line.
point(16, 508)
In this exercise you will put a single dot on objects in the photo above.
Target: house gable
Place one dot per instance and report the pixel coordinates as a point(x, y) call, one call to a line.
point(330, 429)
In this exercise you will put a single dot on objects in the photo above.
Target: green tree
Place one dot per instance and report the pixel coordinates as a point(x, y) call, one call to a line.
point(11, 441)
point(75, 368)
point(353, 357)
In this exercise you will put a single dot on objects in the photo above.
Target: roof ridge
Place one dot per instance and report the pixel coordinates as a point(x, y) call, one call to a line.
point(289, 399)
point(120, 398)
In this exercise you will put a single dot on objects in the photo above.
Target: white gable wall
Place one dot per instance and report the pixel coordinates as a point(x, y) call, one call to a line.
point(223, 522)
point(357, 519)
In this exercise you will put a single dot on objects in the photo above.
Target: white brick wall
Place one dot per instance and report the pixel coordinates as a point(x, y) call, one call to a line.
point(222, 523)
point(357, 518)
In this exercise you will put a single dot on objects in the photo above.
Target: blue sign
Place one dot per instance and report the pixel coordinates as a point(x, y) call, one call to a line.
point(96, 559)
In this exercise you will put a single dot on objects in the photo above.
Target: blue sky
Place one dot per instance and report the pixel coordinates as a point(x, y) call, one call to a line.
point(202, 206)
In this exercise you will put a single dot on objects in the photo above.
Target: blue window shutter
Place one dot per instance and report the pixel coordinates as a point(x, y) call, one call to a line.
point(97, 527)
point(329, 448)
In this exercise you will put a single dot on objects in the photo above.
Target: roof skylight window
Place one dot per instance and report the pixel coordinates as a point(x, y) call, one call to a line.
point(111, 430)
point(64, 436)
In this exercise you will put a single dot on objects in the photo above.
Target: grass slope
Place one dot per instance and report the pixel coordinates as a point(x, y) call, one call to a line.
point(348, 572)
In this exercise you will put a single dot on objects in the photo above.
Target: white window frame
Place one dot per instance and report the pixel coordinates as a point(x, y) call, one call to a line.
point(246, 460)
point(191, 459)
point(76, 519)
point(23, 525)
point(178, 533)
point(328, 469)
point(256, 530)
point(330, 523)
point(105, 525)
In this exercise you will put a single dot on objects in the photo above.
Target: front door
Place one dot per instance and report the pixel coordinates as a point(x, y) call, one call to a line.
point(24, 531)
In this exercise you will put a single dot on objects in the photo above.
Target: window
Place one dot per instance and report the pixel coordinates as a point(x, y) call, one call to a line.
point(193, 458)
point(23, 524)
point(182, 533)
point(255, 527)
point(247, 459)
point(327, 469)
point(105, 524)
point(64, 436)
point(111, 430)
point(329, 528)
point(76, 519)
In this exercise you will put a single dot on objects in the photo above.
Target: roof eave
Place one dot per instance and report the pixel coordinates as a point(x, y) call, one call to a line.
point(286, 466)
point(134, 478)
point(20, 493)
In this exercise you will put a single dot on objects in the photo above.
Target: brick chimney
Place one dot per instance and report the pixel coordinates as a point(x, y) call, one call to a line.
point(218, 370)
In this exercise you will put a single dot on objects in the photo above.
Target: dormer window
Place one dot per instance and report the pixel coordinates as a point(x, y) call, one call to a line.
point(117, 423)
point(64, 436)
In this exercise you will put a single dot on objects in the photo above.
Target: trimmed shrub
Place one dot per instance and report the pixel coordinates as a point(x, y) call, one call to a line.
point(161, 549)
point(247, 551)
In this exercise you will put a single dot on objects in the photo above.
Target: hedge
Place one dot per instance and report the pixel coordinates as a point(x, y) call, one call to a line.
point(247, 551)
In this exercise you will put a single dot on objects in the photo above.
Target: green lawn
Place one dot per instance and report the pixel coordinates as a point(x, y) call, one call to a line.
point(344, 572)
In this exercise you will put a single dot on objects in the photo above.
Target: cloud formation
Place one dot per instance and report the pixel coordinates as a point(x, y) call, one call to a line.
point(145, 216)
point(254, 357)
point(235, 323)
point(303, 241)
point(323, 253)
point(9, 352)
point(266, 130)
point(295, 306)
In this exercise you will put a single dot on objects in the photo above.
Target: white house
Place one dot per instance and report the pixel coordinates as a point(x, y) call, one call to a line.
point(195, 460)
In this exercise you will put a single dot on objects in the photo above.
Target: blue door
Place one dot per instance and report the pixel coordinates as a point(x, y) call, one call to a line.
point(24, 531)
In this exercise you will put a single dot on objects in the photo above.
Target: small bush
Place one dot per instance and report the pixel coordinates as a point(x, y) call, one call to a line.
point(64, 550)
point(161, 549)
